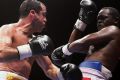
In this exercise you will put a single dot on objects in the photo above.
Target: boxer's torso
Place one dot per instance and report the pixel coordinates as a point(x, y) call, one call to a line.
point(108, 55)
point(22, 67)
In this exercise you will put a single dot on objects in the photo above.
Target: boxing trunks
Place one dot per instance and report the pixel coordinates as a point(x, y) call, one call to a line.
point(5, 75)
point(94, 70)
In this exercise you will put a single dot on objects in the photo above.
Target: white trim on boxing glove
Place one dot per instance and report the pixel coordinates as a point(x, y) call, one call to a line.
point(24, 51)
point(80, 25)
point(59, 75)
point(65, 50)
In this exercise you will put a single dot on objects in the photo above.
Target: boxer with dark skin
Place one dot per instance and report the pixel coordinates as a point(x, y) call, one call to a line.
point(106, 53)
point(86, 16)
point(106, 40)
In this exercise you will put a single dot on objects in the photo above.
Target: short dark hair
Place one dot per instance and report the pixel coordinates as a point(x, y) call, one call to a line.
point(28, 5)
point(113, 12)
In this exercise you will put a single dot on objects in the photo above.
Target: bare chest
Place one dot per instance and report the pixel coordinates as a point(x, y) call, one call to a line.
point(22, 67)
point(19, 39)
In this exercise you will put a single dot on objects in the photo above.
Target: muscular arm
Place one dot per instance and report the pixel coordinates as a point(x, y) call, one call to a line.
point(76, 33)
point(86, 16)
point(49, 69)
point(106, 34)
point(7, 53)
point(67, 71)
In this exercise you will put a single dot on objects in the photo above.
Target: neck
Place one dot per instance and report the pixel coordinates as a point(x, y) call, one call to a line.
point(24, 25)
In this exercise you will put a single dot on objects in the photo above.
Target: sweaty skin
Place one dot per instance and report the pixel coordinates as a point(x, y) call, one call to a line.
point(16, 34)
point(106, 41)
point(22, 67)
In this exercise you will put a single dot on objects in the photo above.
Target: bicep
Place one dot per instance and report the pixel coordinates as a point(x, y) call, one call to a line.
point(7, 52)
point(99, 37)
point(106, 34)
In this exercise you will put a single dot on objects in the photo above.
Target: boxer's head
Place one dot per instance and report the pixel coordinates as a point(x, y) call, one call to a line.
point(27, 6)
point(107, 16)
point(35, 12)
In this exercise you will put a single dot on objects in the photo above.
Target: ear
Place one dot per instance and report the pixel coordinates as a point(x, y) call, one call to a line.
point(117, 20)
point(32, 14)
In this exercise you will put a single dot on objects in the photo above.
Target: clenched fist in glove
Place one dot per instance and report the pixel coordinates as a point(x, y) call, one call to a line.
point(39, 45)
point(87, 14)
point(69, 71)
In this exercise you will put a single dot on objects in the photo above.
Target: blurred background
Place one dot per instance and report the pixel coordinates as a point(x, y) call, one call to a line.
point(61, 16)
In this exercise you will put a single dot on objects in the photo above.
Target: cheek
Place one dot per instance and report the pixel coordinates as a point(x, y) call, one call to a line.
point(40, 19)
point(108, 22)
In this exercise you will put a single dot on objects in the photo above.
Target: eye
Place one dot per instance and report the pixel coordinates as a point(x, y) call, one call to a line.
point(102, 17)
point(44, 14)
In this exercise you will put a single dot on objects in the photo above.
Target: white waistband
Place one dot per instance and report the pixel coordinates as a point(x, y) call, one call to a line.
point(105, 73)
point(5, 75)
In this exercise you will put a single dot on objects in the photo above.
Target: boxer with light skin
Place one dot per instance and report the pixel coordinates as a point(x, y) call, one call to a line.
point(19, 48)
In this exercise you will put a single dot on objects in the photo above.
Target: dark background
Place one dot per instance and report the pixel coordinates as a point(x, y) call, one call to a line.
point(62, 15)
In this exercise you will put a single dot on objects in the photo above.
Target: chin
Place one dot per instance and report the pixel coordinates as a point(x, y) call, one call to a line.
point(39, 29)
point(99, 28)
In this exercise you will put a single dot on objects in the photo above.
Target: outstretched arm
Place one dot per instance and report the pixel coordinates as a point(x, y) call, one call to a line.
point(65, 72)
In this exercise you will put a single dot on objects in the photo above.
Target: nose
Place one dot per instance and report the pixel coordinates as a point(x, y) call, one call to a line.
point(99, 21)
point(45, 19)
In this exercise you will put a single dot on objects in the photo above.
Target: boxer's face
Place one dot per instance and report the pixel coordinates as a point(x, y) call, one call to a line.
point(40, 19)
point(104, 19)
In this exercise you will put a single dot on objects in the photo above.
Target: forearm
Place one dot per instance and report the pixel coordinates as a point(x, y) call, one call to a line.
point(8, 54)
point(86, 16)
point(76, 34)
point(67, 71)
point(50, 70)
point(78, 47)
point(75, 47)
point(78, 30)
point(62, 53)
point(54, 73)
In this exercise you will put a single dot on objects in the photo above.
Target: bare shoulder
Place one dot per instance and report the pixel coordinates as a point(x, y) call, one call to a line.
point(114, 30)
point(6, 29)
point(111, 30)
point(113, 27)
point(5, 26)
